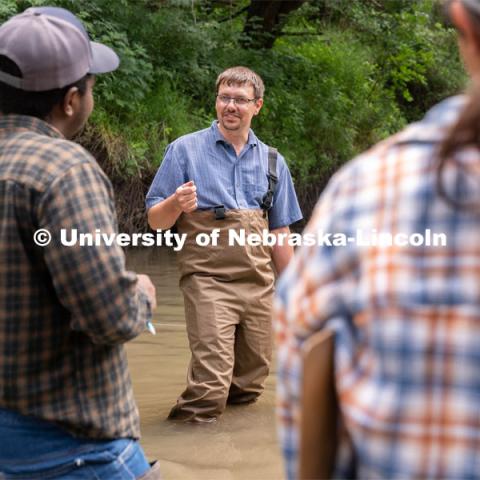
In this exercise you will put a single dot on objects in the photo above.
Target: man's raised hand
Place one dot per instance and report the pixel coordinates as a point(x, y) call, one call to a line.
point(186, 197)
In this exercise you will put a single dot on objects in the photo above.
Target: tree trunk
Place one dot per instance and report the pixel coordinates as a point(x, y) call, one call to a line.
point(265, 19)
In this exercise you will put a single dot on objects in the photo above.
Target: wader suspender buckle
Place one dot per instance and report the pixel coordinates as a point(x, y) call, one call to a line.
point(219, 212)
point(267, 200)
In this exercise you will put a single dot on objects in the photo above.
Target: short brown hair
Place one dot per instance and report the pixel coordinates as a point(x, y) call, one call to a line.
point(242, 76)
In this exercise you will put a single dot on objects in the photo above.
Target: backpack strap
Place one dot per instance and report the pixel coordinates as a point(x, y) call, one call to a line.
point(267, 200)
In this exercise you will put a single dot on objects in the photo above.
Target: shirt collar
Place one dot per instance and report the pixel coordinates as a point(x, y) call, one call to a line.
point(217, 135)
point(27, 123)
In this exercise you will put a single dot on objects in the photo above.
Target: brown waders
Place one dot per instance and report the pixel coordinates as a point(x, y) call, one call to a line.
point(228, 306)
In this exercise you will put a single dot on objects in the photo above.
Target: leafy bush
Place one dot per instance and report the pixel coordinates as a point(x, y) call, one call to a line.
point(341, 77)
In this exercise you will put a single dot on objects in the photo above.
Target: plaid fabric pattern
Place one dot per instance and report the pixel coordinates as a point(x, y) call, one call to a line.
point(64, 311)
point(407, 318)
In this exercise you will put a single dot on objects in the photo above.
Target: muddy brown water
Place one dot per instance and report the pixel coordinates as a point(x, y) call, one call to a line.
point(241, 445)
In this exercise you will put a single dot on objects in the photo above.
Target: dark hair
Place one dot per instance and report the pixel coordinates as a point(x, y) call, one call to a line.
point(34, 104)
point(466, 131)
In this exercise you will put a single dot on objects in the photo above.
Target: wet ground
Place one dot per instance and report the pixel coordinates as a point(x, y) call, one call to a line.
point(241, 445)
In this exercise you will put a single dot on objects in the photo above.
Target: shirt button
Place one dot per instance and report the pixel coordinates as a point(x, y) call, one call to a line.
point(79, 462)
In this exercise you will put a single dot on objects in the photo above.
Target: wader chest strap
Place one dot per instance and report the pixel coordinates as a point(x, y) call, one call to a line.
point(267, 200)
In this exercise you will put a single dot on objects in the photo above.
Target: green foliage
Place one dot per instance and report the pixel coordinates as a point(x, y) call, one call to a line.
point(134, 146)
point(414, 50)
point(328, 98)
point(342, 76)
point(7, 9)
point(103, 19)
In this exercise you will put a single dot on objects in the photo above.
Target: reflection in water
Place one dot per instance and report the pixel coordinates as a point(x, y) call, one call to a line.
point(241, 445)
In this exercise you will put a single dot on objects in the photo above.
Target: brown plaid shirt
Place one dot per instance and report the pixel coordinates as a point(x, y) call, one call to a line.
point(64, 311)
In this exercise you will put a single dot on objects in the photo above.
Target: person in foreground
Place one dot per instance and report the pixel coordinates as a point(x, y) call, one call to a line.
point(224, 178)
point(66, 402)
point(406, 317)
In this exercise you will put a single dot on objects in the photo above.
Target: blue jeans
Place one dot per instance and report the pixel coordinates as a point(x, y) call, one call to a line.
point(34, 449)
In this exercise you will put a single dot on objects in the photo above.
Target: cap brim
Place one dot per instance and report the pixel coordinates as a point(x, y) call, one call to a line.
point(104, 59)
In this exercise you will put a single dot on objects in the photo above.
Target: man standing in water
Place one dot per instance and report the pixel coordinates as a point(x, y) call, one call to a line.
point(225, 178)
point(66, 402)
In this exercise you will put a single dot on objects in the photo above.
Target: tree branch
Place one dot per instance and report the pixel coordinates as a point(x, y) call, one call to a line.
point(234, 15)
point(300, 34)
point(265, 19)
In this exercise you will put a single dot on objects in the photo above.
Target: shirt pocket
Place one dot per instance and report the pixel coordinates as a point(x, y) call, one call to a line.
point(254, 194)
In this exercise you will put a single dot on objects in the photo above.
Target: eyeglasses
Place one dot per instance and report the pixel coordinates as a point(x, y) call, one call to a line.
point(239, 101)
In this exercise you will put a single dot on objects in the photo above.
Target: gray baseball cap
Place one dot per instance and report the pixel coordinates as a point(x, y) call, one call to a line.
point(52, 49)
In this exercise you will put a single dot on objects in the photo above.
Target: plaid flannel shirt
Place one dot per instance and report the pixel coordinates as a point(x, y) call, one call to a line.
point(406, 318)
point(65, 311)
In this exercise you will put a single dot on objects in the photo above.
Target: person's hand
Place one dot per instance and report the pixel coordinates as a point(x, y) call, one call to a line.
point(186, 197)
point(149, 288)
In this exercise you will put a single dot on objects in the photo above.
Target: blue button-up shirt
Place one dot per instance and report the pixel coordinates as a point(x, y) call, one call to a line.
point(223, 178)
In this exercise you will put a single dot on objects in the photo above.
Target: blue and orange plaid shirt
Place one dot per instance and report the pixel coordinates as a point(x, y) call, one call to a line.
point(406, 317)
point(65, 311)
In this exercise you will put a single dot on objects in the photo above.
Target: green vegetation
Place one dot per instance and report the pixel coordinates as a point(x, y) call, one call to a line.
point(340, 75)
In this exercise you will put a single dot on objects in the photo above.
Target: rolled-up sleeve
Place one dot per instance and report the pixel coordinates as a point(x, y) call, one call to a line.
point(168, 177)
point(91, 282)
